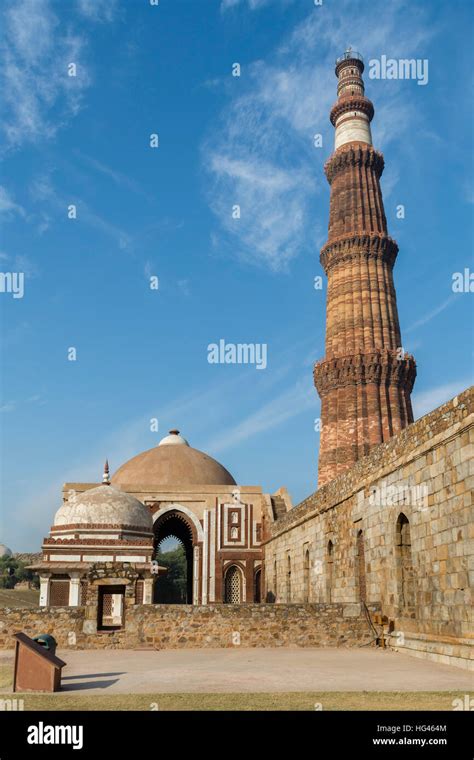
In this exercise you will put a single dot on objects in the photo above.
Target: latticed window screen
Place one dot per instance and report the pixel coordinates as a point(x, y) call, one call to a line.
point(107, 605)
point(233, 586)
point(83, 593)
point(59, 594)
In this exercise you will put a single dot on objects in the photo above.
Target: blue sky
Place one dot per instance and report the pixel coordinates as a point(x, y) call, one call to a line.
point(223, 140)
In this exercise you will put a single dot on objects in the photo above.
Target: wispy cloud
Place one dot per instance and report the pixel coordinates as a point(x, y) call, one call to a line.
point(43, 191)
point(387, 113)
point(119, 178)
point(37, 92)
point(431, 314)
point(272, 205)
point(260, 153)
point(8, 207)
point(253, 5)
point(12, 405)
point(121, 237)
point(21, 263)
point(389, 181)
point(426, 401)
point(298, 398)
point(99, 10)
point(9, 406)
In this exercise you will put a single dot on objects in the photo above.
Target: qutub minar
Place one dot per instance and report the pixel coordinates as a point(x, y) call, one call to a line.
point(386, 539)
point(365, 379)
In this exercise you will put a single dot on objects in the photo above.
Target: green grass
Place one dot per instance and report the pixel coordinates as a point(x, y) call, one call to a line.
point(6, 676)
point(23, 598)
point(249, 702)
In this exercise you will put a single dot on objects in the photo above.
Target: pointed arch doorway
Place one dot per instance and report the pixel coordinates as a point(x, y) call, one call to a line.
point(177, 586)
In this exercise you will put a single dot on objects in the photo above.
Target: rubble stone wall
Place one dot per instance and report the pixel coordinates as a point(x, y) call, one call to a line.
point(175, 626)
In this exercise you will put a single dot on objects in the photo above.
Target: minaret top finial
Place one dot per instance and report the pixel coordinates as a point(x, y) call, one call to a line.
point(106, 476)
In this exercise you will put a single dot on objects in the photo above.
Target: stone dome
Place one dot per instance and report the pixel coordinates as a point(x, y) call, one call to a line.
point(5, 551)
point(104, 505)
point(172, 463)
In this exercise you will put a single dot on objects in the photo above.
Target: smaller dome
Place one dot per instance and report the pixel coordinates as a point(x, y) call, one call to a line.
point(104, 505)
point(5, 551)
point(173, 439)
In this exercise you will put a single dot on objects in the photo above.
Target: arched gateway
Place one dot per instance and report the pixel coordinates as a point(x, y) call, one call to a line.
point(174, 523)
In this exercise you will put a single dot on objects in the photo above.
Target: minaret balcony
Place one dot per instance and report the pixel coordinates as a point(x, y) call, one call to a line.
point(347, 103)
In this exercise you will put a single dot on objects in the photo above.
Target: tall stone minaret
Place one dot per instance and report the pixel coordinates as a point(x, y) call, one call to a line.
point(365, 379)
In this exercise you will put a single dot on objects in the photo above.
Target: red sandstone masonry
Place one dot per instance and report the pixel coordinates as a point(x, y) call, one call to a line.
point(363, 383)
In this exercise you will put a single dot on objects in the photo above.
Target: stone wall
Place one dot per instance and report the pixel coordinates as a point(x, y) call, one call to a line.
point(185, 626)
point(398, 524)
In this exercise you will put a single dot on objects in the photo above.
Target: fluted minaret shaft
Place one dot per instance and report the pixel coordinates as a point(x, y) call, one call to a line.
point(365, 379)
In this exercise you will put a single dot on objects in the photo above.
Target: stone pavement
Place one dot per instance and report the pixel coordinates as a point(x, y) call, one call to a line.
point(253, 670)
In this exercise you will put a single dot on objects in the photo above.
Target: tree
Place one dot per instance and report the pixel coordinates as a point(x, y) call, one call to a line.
point(13, 571)
point(171, 588)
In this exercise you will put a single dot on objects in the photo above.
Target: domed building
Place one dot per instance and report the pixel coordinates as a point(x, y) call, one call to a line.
point(107, 536)
point(5, 551)
point(173, 463)
point(99, 553)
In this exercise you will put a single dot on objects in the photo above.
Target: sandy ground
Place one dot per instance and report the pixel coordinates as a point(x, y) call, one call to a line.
point(253, 670)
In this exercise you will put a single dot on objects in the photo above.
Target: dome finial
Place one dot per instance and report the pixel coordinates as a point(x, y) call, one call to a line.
point(174, 437)
point(106, 475)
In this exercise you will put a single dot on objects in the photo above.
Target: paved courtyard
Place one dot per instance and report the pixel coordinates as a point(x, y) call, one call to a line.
point(253, 670)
